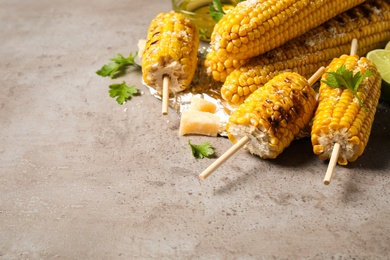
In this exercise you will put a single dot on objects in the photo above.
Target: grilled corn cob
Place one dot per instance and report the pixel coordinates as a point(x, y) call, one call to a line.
point(171, 50)
point(273, 115)
point(368, 22)
point(256, 26)
point(340, 118)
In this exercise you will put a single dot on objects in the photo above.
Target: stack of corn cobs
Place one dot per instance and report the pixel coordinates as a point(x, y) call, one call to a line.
point(265, 50)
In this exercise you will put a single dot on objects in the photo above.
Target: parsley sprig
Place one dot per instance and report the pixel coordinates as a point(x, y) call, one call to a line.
point(117, 65)
point(216, 10)
point(115, 68)
point(343, 78)
point(122, 92)
point(201, 150)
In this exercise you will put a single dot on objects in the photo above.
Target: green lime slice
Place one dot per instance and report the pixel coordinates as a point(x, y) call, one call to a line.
point(387, 46)
point(381, 58)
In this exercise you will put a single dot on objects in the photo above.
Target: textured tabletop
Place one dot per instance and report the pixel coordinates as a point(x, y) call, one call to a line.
point(82, 177)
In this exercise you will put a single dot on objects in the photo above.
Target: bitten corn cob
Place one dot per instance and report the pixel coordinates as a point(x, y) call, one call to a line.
point(273, 115)
point(254, 27)
point(171, 50)
point(340, 118)
point(368, 22)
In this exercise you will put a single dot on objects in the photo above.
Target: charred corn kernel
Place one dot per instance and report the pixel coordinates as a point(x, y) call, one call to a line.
point(368, 22)
point(270, 23)
point(277, 113)
point(348, 123)
point(171, 50)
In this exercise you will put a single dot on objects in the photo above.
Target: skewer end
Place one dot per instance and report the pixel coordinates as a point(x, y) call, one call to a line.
point(165, 95)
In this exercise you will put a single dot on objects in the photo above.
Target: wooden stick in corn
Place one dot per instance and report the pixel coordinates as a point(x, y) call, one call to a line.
point(369, 22)
point(165, 95)
point(266, 123)
point(169, 60)
point(341, 118)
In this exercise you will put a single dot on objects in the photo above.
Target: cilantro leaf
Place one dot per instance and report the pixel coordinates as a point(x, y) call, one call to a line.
point(343, 78)
point(117, 65)
point(201, 150)
point(122, 92)
point(216, 11)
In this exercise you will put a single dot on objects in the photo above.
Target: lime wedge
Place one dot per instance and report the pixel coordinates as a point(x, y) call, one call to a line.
point(387, 46)
point(381, 58)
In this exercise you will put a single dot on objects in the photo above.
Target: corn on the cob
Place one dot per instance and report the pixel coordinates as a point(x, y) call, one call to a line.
point(254, 27)
point(171, 50)
point(273, 115)
point(368, 22)
point(340, 118)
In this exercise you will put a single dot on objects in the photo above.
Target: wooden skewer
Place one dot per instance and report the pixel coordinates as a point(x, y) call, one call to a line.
point(354, 45)
point(165, 95)
point(336, 148)
point(232, 150)
point(332, 163)
point(316, 76)
point(244, 140)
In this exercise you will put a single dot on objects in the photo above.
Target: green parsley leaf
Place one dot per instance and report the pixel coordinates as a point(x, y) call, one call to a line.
point(201, 150)
point(122, 92)
point(343, 78)
point(117, 65)
point(216, 11)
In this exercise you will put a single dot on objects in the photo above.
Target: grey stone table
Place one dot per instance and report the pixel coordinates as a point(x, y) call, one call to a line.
point(82, 177)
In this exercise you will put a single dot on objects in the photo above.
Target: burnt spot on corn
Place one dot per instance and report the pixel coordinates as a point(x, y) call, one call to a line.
point(297, 105)
point(294, 111)
point(366, 12)
point(305, 94)
point(154, 42)
point(274, 122)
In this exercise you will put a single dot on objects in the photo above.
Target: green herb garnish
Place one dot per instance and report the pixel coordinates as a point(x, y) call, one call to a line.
point(343, 78)
point(201, 150)
point(117, 65)
point(122, 92)
point(216, 10)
